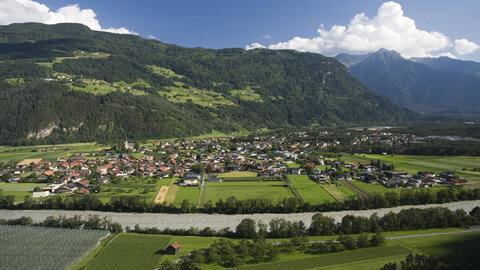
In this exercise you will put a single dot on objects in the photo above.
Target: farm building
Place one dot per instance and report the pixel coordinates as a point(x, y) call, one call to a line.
point(172, 249)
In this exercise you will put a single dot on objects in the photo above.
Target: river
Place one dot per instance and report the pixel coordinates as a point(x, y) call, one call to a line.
point(215, 221)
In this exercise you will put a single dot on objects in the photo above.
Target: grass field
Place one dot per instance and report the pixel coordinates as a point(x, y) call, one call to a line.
point(251, 190)
point(373, 188)
point(147, 190)
point(309, 190)
point(21, 191)
point(135, 251)
point(131, 251)
point(46, 152)
point(340, 193)
point(237, 175)
point(187, 193)
point(180, 93)
point(413, 164)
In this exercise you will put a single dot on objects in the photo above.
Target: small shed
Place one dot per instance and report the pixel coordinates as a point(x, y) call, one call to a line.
point(172, 249)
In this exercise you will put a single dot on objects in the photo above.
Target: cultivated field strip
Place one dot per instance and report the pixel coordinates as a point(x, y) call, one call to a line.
point(25, 247)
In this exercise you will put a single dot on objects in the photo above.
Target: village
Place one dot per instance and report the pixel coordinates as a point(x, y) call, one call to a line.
point(194, 162)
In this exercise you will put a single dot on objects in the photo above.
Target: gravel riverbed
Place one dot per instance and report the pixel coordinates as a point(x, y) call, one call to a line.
point(215, 221)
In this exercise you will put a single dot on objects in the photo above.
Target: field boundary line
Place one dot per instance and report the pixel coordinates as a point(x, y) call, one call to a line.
point(335, 198)
point(357, 190)
point(292, 188)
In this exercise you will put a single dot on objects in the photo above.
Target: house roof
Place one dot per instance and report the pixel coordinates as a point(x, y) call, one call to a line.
point(175, 245)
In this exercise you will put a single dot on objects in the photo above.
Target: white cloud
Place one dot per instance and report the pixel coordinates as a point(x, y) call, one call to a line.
point(255, 45)
point(389, 29)
point(463, 46)
point(20, 11)
point(267, 37)
point(152, 37)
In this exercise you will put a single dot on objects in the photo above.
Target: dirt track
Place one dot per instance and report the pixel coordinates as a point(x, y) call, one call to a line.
point(357, 190)
point(162, 193)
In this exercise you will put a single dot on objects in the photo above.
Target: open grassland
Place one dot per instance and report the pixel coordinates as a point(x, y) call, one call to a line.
point(189, 244)
point(295, 260)
point(181, 93)
point(100, 87)
point(25, 247)
point(378, 188)
point(237, 175)
point(190, 194)
point(76, 55)
point(441, 244)
point(461, 165)
point(21, 191)
point(372, 188)
point(247, 94)
point(46, 152)
point(131, 251)
point(336, 192)
point(135, 251)
point(147, 189)
point(274, 190)
point(309, 190)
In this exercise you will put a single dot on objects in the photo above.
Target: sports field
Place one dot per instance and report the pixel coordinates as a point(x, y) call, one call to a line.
point(309, 190)
point(274, 190)
point(462, 165)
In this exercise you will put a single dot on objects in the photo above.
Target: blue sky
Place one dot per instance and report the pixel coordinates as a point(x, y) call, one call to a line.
point(275, 23)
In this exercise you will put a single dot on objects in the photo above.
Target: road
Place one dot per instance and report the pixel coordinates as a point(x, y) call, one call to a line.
point(214, 221)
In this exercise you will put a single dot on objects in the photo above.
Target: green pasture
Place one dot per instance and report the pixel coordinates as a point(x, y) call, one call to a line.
point(247, 94)
point(309, 190)
point(190, 194)
point(21, 191)
point(461, 165)
point(274, 190)
point(340, 193)
point(46, 152)
point(237, 174)
point(180, 93)
point(373, 188)
point(131, 251)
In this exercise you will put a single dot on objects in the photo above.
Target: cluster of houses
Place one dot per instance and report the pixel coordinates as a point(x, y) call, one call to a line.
point(267, 155)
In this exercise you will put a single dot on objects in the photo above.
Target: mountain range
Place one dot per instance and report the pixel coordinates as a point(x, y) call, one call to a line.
point(66, 83)
point(426, 85)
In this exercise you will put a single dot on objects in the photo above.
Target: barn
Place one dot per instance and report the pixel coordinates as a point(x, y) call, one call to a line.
point(172, 249)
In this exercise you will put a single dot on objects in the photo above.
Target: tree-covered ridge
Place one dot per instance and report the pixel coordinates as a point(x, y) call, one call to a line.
point(191, 91)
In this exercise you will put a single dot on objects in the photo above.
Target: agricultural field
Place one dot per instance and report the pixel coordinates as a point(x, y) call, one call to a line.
point(237, 174)
point(462, 165)
point(143, 251)
point(181, 93)
point(100, 87)
point(130, 251)
point(373, 188)
point(147, 189)
point(46, 152)
point(45, 248)
point(191, 194)
point(274, 190)
point(340, 192)
point(76, 55)
point(247, 94)
point(21, 191)
point(309, 190)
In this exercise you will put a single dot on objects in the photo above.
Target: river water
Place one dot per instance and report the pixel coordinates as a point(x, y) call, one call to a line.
point(215, 221)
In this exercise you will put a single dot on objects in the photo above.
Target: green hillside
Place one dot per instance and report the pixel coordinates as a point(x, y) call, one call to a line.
point(64, 83)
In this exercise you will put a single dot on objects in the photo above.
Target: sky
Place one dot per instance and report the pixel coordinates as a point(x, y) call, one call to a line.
point(426, 28)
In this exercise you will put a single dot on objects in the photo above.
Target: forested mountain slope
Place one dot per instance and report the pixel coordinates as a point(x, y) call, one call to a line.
point(64, 82)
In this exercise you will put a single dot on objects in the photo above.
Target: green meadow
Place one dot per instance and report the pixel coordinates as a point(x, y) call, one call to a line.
point(308, 190)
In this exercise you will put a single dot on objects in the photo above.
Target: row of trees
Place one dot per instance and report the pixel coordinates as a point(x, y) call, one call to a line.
point(467, 260)
point(93, 222)
point(407, 219)
point(229, 254)
point(248, 206)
